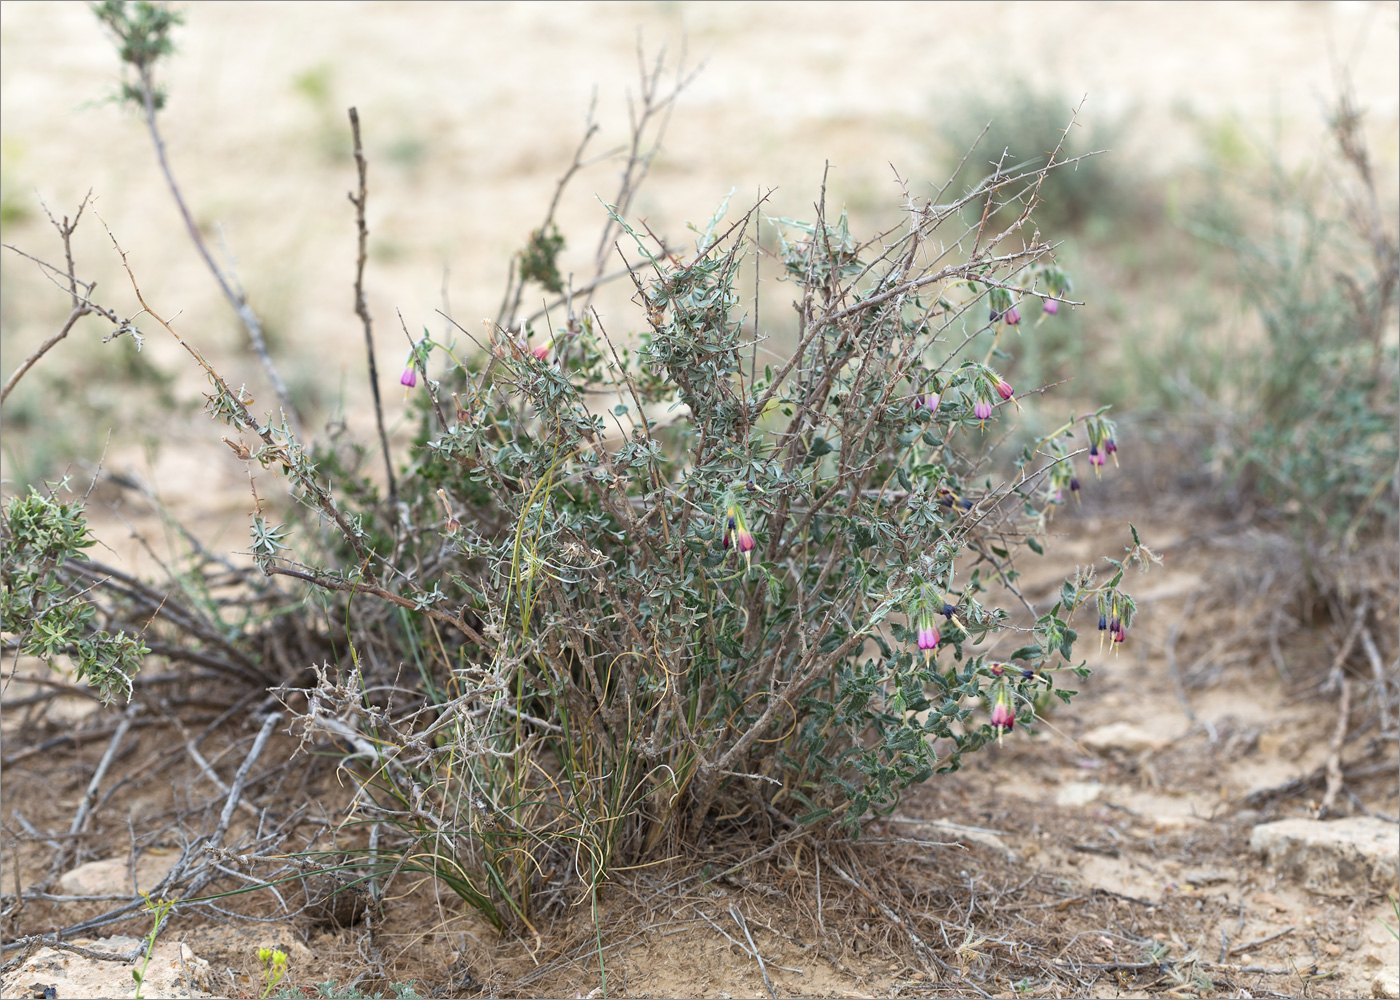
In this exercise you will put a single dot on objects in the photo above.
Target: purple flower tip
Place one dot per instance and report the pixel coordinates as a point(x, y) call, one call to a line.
point(1051, 306)
point(1013, 316)
point(408, 378)
point(982, 410)
point(1004, 389)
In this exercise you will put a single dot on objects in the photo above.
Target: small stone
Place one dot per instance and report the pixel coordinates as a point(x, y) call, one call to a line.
point(1330, 854)
point(112, 876)
point(1077, 793)
point(1386, 984)
point(1210, 876)
point(1124, 736)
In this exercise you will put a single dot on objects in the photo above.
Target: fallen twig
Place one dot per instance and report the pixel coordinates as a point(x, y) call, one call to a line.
point(1334, 751)
point(236, 792)
point(1237, 949)
point(739, 919)
point(84, 807)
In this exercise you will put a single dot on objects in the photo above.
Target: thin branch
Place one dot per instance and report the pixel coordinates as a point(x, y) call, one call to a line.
point(361, 308)
point(236, 298)
point(79, 311)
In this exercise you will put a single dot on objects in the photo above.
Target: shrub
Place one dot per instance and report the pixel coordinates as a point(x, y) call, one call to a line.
point(1310, 413)
point(731, 589)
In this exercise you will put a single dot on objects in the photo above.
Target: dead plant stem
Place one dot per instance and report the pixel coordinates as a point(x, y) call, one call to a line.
point(361, 307)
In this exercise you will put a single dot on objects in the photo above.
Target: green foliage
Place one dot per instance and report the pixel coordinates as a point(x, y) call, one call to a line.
point(1309, 409)
point(142, 31)
point(539, 261)
point(44, 608)
point(159, 910)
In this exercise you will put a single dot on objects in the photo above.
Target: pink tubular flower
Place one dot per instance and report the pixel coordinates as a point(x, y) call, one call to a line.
point(1012, 316)
point(1003, 718)
point(541, 353)
point(409, 378)
point(932, 401)
point(746, 543)
point(1096, 458)
point(1050, 306)
point(1004, 389)
point(928, 635)
point(982, 410)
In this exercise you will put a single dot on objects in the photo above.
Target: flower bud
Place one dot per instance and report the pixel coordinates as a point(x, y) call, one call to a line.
point(1050, 306)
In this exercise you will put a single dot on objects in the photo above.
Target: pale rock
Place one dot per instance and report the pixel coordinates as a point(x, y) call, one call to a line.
point(1385, 984)
point(1333, 853)
point(1077, 793)
point(112, 876)
point(174, 971)
point(1126, 736)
